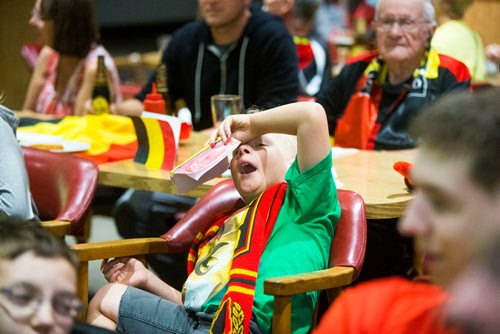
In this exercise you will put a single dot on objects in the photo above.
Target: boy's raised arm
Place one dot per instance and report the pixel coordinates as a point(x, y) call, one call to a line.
point(306, 120)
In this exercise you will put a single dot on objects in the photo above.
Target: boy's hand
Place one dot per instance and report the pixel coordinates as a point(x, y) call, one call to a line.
point(236, 126)
point(125, 270)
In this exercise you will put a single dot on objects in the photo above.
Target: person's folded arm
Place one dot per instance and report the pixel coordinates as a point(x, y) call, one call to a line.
point(15, 200)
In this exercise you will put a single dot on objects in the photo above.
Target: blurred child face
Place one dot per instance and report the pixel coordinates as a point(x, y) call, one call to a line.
point(300, 27)
point(44, 27)
point(37, 295)
point(261, 163)
point(447, 214)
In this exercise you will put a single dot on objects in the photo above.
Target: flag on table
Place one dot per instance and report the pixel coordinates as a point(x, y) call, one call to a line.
point(157, 137)
point(111, 137)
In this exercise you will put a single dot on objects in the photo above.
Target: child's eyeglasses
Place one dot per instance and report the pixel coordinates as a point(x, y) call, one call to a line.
point(23, 300)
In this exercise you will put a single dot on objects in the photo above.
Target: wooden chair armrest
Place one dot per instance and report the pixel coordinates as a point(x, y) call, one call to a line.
point(307, 282)
point(283, 287)
point(116, 248)
point(109, 249)
point(59, 228)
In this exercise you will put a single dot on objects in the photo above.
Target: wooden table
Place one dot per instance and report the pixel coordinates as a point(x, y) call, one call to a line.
point(129, 174)
point(32, 114)
point(494, 80)
point(368, 173)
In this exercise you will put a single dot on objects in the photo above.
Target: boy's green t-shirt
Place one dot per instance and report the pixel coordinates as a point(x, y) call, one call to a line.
point(300, 242)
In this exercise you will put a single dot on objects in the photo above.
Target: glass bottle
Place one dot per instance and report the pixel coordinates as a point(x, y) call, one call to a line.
point(162, 85)
point(100, 92)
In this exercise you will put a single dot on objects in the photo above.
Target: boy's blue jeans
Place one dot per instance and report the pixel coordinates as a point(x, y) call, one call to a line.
point(143, 312)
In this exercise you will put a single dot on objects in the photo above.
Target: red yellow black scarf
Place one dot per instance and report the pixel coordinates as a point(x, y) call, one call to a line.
point(235, 310)
point(304, 51)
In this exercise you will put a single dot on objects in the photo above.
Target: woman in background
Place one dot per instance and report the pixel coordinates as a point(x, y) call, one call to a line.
point(63, 78)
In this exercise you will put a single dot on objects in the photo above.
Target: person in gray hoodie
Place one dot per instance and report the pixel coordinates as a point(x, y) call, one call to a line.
point(16, 203)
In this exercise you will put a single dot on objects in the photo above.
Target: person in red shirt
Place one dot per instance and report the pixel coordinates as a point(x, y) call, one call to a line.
point(457, 199)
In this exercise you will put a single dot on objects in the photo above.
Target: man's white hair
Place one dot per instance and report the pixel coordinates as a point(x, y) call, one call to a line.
point(429, 12)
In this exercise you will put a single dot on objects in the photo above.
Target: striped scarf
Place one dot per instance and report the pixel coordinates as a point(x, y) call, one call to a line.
point(235, 310)
point(359, 125)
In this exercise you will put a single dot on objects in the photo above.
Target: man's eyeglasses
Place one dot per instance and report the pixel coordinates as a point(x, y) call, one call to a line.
point(406, 25)
point(23, 300)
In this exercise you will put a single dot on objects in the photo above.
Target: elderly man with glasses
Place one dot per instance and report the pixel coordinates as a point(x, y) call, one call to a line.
point(387, 88)
point(372, 101)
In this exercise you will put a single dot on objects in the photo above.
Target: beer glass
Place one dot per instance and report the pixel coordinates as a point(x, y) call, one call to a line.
point(224, 105)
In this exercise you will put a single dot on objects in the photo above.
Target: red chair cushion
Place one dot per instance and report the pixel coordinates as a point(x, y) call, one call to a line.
point(62, 186)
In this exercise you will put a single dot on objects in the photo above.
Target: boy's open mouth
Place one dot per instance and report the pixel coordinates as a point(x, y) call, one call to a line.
point(246, 168)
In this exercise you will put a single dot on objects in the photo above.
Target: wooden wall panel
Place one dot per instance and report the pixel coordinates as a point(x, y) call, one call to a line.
point(14, 32)
point(484, 17)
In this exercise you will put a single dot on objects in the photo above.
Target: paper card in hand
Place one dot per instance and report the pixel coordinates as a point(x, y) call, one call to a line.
point(205, 165)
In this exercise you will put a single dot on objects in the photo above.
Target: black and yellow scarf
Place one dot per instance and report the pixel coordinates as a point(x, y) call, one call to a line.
point(358, 126)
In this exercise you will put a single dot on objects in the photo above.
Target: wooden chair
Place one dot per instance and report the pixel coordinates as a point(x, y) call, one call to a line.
point(346, 260)
point(63, 186)
point(346, 256)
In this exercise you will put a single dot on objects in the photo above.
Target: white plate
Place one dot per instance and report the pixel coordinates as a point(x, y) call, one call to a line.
point(69, 146)
point(29, 139)
point(338, 152)
point(73, 146)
